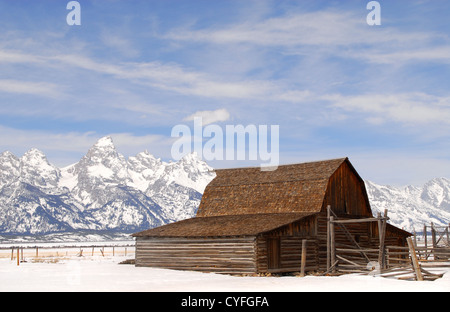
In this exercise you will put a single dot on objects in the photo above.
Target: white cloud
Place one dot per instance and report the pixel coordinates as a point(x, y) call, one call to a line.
point(17, 57)
point(315, 28)
point(209, 117)
point(407, 108)
point(326, 32)
point(30, 87)
point(174, 77)
point(439, 54)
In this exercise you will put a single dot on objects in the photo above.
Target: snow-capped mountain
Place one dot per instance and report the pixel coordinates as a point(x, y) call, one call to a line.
point(102, 192)
point(411, 207)
point(106, 192)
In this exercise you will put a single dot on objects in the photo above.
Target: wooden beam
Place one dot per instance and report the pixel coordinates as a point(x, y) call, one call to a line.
point(448, 238)
point(382, 238)
point(332, 244)
point(415, 262)
point(346, 260)
point(356, 220)
point(303, 263)
point(425, 240)
point(331, 267)
point(328, 237)
point(433, 235)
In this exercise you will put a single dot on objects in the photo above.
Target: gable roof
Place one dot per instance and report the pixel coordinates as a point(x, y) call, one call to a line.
point(298, 188)
point(234, 225)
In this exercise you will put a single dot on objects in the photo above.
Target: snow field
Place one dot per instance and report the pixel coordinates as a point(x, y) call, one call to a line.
point(105, 274)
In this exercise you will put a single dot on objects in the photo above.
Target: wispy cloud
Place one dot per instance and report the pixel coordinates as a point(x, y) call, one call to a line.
point(174, 77)
point(438, 54)
point(29, 87)
point(293, 29)
point(328, 32)
point(209, 117)
point(10, 56)
point(406, 108)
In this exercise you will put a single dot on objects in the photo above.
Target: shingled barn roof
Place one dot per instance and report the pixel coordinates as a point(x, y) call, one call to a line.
point(248, 201)
point(234, 225)
point(288, 189)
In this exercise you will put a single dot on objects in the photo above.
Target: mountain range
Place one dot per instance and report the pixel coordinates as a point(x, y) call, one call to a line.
point(411, 207)
point(105, 192)
point(102, 192)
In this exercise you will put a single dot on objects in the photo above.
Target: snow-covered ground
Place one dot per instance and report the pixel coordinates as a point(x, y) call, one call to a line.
point(105, 274)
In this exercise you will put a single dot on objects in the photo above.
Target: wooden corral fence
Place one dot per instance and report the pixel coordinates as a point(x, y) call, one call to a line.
point(346, 254)
point(440, 238)
point(411, 262)
point(22, 253)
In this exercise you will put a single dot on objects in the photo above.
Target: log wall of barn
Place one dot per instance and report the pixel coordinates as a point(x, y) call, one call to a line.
point(235, 255)
point(290, 254)
point(280, 250)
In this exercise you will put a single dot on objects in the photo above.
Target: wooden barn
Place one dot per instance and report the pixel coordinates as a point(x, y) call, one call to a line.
point(252, 221)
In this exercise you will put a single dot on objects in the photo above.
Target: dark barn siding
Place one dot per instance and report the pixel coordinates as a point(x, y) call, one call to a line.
point(221, 255)
point(346, 193)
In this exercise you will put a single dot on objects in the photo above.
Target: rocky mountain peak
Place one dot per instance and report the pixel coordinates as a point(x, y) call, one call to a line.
point(105, 142)
point(102, 163)
point(437, 191)
point(102, 150)
point(8, 155)
point(9, 168)
point(36, 170)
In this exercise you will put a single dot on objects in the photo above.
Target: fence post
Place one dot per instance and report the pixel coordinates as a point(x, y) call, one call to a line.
point(388, 261)
point(448, 239)
point(433, 235)
point(328, 237)
point(414, 260)
point(425, 240)
point(332, 243)
point(303, 263)
point(18, 251)
point(382, 235)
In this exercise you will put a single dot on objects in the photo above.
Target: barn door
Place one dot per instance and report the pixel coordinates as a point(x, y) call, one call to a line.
point(273, 253)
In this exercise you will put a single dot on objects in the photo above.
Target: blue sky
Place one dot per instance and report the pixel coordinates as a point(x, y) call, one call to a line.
point(134, 69)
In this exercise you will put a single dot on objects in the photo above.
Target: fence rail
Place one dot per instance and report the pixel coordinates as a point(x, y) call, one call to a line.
point(21, 253)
